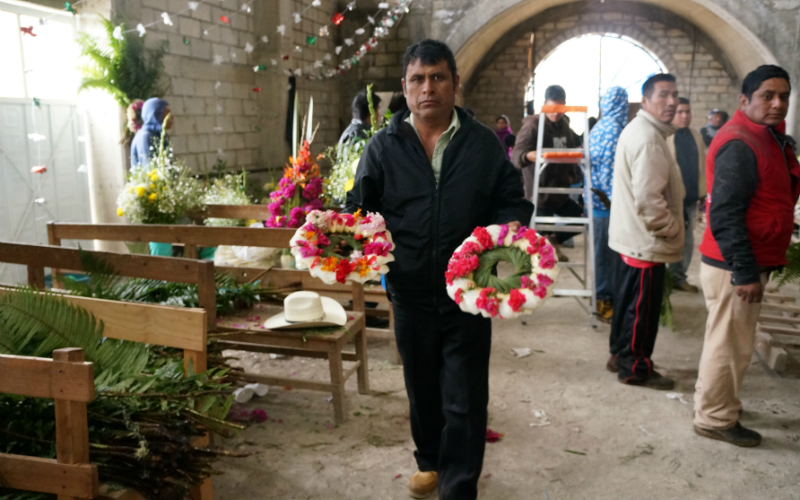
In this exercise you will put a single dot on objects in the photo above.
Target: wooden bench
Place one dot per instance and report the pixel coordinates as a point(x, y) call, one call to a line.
point(194, 236)
point(69, 381)
point(778, 330)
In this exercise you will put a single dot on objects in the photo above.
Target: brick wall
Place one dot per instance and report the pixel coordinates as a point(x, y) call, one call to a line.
point(703, 74)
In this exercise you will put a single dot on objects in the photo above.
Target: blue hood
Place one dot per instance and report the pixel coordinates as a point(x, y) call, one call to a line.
point(603, 143)
point(153, 114)
point(614, 105)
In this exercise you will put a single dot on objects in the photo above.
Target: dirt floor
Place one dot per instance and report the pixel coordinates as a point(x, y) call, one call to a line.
point(598, 439)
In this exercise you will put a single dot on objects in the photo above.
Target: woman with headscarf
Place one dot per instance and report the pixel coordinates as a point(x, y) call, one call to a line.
point(502, 127)
point(145, 142)
point(602, 148)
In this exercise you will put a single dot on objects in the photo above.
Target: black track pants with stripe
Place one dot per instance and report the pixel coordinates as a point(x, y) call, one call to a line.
point(634, 326)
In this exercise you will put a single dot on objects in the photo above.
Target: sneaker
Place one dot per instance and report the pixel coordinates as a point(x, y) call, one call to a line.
point(612, 364)
point(686, 287)
point(423, 484)
point(605, 310)
point(736, 435)
point(654, 381)
point(377, 322)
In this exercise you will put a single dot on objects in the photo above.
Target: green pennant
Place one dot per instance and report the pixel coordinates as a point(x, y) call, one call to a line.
point(311, 40)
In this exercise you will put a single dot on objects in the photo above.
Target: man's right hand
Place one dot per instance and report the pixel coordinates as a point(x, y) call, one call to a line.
point(751, 293)
point(531, 156)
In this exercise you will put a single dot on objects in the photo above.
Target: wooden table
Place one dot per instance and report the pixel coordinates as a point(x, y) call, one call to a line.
point(299, 343)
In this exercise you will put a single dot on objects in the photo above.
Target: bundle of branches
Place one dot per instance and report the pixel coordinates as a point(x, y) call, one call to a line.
point(104, 283)
point(143, 419)
point(791, 271)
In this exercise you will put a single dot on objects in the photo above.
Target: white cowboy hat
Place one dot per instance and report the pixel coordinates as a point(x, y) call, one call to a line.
point(307, 310)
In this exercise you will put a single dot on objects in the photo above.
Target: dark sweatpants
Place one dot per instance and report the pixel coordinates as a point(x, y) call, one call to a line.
point(446, 368)
point(634, 326)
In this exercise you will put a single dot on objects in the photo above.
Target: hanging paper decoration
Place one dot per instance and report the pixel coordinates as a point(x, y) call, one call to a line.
point(248, 47)
point(265, 39)
point(185, 41)
point(324, 31)
point(285, 57)
point(205, 32)
point(217, 85)
point(349, 42)
point(140, 28)
point(297, 18)
point(37, 103)
point(233, 55)
point(42, 21)
point(39, 170)
point(258, 68)
point(327, 57)
point(351, 5)
point(193, 5)
point(317, 64)
point(298, 72)
point(117, 34)
point(274, 62)
point(70, 8)
point(371, 19)
point(316, 3)
point(337, 18)
point(297, 48)
point(28, 31)
point(282, 30)
point(166, 19)
point(36, 137)
point(225, 19)
point(383, 5)
point(256, 89)
point(360, 31)
point(311, 40)
point(217, 59)
point(246, 8)
point(338, 50)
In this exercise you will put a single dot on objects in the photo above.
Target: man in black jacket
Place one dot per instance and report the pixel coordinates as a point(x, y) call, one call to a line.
point(435, 174)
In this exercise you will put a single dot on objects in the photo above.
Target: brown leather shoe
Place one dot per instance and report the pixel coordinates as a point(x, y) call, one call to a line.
point(686, 287)
point(654, 381)
point(423, 484)
point(736, 435)
point(612, 364)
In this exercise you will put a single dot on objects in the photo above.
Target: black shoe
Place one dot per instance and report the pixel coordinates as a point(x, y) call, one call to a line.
point(736, 435)
point(654, 381)
point(377, 322)
point(612, 364)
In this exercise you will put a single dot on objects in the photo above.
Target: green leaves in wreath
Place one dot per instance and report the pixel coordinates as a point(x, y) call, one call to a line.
point(335, 239)
point(484, 276)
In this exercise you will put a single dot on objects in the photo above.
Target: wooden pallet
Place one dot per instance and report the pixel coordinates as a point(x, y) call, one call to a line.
point(778, 328)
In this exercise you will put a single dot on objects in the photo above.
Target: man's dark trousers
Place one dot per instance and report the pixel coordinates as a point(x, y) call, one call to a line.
point(634, 326)
point(446, 368)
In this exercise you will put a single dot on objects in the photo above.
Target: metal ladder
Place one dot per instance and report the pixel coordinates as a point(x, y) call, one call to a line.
point(578, 225)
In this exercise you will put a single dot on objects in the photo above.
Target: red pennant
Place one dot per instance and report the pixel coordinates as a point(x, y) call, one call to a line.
point(39, 170)
point(285, 57)
point(256, 89)
point(225, 19)
point(28, 31)
point(337, 18)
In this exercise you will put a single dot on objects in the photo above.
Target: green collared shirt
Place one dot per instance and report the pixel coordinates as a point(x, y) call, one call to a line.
point(441, 143)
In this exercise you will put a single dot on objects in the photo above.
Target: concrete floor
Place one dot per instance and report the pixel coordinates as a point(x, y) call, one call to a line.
point(635, 443)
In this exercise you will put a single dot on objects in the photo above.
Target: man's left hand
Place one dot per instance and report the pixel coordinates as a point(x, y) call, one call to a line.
point(514, 226)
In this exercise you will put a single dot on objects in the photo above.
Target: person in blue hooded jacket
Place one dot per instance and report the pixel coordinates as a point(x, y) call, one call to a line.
point(602, 147)
point(145, 142)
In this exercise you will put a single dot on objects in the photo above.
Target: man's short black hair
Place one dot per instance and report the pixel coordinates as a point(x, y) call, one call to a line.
point(755, 78)
point(683, 100)
point(430, 52)
point(361, 105)
point(650, 84)
point(555, 93)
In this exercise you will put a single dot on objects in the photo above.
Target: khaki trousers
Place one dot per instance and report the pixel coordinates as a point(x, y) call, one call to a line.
point(727, 350)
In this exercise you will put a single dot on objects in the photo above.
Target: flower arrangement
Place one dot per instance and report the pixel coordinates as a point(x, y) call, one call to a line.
point(315, 246)
point(299, 191)
point(134, 113)
point(471, 284)
point(161, 192)
point(227, 190)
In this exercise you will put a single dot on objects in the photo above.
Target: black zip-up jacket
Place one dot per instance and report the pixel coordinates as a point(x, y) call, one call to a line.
point(478, 186)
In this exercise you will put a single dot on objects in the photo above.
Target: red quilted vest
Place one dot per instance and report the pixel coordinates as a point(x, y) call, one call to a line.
point(770, 216)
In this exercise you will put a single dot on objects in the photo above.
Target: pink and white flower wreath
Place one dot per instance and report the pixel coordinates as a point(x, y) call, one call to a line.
point(367, 234)
point(488, 302)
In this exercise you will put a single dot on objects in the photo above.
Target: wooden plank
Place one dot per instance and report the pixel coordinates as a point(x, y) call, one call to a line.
point(786, 339)
point(198, 235)
point(781, 307)
point(207, 291)
point(769, 318)
point(238, 346)
point(349, 373)
point(53, 240)
point(779, 297)
point(380, 334)
point(44, 475)
point(126, 494)
point(46, 378)
point(778, 329)
point(36, 277)
point(283, 381)
point(337, 383)
point(246, 212)
point(137, 266)
point(72, 425)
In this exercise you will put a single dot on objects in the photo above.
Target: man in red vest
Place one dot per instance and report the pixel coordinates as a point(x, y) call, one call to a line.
point(750, 221)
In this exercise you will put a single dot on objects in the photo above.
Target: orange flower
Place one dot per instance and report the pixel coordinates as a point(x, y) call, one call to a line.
point(362, 266)
point(329, 264)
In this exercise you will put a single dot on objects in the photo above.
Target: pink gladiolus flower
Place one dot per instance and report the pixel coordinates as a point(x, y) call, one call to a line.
point(459, 298)
point(488, 301)
point(544, 280)
point(540, 291)
point(516, 300)
point(277, 221)
point(483, 238)
point(296, 216)
point(313, 189)
point(377, 248)
point(503, 233)
point(276, 208)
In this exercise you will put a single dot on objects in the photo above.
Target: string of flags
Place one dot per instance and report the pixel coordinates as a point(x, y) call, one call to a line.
point(386, 17)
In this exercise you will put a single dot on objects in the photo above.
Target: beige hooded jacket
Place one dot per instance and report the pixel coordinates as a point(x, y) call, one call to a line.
point(647, 206)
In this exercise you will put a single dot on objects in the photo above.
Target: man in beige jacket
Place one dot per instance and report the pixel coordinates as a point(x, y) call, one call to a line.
point(688, 149)
point(646, 229)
